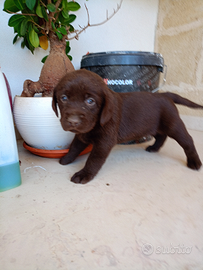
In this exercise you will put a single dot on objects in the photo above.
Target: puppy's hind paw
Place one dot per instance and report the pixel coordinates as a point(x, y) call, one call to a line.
point(194, 164)
point(152, 149)
point(65, 160)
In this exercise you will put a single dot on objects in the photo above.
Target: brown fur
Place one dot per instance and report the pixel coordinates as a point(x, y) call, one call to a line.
point(103, 118)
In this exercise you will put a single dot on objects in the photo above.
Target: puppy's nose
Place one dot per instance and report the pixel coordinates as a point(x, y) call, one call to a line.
point(74, 120)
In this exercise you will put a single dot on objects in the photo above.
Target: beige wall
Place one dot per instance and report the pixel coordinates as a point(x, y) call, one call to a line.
point(179, 38)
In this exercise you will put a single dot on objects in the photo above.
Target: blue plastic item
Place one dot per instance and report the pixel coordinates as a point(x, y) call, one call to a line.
point(10, 176)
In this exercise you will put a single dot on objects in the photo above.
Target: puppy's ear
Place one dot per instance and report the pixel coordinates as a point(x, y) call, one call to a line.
point(108, 107)
point(54, 103)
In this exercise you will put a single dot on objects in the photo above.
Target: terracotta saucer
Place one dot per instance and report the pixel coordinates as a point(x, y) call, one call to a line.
point(52, 153)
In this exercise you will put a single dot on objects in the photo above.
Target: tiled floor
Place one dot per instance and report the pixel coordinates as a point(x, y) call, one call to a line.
point(142, 211)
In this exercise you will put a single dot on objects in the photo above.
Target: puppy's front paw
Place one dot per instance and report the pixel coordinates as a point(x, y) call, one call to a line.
point(81, 177)
point(65, 160)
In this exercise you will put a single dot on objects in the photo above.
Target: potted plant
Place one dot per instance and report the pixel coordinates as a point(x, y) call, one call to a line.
point(38, 23)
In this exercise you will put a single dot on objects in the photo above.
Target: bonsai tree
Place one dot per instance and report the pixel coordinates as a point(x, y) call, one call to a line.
point(40, 22)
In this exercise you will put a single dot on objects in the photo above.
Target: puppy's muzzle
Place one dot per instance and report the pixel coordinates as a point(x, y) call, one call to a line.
point(72, 122)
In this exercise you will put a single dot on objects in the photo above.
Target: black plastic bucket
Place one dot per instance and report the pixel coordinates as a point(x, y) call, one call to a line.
point(126, 71)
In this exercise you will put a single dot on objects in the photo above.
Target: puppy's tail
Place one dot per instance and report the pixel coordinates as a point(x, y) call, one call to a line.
point(182, 101)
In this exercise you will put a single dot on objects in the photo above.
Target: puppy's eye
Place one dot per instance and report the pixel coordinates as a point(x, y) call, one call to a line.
point(90, 101)
point(64, 98)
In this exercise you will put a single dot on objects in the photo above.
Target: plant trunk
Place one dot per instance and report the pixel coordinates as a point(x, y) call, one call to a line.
point(55, 67)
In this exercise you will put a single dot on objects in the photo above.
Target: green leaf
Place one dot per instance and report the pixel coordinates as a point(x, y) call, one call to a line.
point(29, 28)
point(65, 13)
point(17, 29)
point(27, 43)
point(44, 13)
point(15, 19)
point(23, 44)
point(39, 11)
point(73, 6)
point(36, 29)
point(53, 25)
point(67, 47)
point(61, 18)
point(62, 30)
point(70, 57)
point(51, 7)
point(60, 36)
point(10, 5)
point(44, 59)
point(30, 4)
point(15, 39)
point(64, 3)
point(71, 19)
point(34, 39)
point(71, 29)
point(20, 4)
point(24, 27)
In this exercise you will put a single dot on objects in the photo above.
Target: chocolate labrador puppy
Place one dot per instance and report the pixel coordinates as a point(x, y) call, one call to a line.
point(103, 118)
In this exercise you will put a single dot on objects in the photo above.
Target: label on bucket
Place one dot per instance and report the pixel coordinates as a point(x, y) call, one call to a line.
point(129, 78)
point(118, 82)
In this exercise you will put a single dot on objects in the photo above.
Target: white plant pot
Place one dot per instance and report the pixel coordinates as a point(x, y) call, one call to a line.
point(38, 124)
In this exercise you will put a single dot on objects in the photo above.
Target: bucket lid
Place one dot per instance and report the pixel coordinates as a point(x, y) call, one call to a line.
point(127, 58)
